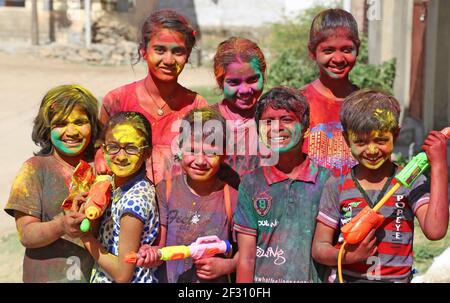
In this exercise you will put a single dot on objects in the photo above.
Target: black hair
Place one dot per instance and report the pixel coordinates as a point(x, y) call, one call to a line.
point(283, 97)
point(166, 19)
point(369, 110)
point(327, 22)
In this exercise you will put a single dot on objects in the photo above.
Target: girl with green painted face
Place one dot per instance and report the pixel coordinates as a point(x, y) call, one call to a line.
point(239, 68)
point(65, 129)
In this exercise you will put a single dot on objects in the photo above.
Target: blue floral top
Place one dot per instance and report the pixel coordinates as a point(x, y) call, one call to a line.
point(136, 197)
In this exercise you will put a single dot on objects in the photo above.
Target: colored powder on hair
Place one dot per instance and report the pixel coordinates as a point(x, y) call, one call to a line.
point(385, 118)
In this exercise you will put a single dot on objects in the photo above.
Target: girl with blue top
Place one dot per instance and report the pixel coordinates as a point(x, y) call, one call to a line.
point(132, 219)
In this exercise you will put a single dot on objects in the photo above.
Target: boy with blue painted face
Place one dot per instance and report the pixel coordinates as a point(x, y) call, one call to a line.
point(277, 205)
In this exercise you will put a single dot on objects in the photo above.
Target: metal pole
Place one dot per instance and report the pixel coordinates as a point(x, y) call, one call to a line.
point(87, 15)
point(34, 24)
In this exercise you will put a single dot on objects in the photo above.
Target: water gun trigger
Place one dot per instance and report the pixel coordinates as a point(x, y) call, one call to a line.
point(359, 227)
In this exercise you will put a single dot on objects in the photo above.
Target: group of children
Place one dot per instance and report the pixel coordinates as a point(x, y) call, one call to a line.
point(175, 181)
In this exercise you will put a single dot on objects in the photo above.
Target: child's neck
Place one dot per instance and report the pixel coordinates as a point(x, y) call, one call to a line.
point(289, 162)
point(374, 179)
point(236, 114)
point(204, 188)
point(71, 161)
point(334, 88)
point(121, 181)
point(166, 90)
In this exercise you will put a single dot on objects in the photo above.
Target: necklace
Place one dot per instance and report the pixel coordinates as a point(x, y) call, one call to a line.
point(380, 194)
point(160, 111)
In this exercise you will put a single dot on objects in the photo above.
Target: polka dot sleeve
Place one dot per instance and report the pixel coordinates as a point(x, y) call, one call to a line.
point(139, 201)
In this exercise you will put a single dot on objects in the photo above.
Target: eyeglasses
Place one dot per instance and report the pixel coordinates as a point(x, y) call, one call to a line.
point(114, 149)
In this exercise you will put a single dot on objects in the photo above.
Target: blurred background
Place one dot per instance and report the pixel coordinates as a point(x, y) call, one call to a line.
point(44, 43)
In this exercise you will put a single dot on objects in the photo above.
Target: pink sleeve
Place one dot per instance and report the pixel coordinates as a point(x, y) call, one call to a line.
point(109, 104)
point(200, 102)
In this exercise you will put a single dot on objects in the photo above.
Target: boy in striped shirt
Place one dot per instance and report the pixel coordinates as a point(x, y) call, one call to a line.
point(370, 123)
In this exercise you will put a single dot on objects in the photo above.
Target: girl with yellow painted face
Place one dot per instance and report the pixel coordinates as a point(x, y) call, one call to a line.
point(132, 218)
point(65, 129)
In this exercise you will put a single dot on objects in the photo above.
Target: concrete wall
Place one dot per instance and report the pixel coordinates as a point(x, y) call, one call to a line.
point(14, 23)
point(437, 66)
point(390, 34)
point(219, 13)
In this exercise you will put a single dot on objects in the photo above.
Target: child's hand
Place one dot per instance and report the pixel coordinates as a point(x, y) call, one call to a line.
point(212, 268)
point(70, 224)
point(78, 202)
point(363, 250)
point(148, 256)
point(101, 168)
point(435, 146)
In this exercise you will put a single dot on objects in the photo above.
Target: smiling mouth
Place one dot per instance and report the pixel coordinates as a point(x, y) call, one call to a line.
point(168, 70)
point(280, 139)
point(199, 171)
point(122, 166)
point(337, 70)
point(373, 160)
point(72, 142)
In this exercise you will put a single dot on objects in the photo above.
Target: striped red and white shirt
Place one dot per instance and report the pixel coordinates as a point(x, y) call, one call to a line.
point(341, 201)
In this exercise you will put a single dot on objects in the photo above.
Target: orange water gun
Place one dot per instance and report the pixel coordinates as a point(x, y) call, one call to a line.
point(97, 200)
point(82, 179)
point(203, 247)
point(358, 228)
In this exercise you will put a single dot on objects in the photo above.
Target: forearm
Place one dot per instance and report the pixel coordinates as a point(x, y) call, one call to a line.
point(121, 272)
point(245, 270)
point(40, 234)
point(326, 254)
point(232, 264)
point(437, 216)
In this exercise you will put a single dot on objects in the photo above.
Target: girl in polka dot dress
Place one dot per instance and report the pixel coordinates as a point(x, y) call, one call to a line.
point(132, 219)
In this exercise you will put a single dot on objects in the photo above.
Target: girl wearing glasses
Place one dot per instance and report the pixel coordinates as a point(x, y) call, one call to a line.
point(132, 219)
point(65, 129)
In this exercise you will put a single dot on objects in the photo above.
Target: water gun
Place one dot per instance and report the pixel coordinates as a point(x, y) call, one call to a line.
point(203, 247)
point(82, 179)
point(97, 200)
point(369, 218)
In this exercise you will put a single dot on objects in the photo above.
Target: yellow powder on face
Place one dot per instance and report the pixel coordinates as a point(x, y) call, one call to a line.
point(372, 148)
point(352, 135)
point(126, 133)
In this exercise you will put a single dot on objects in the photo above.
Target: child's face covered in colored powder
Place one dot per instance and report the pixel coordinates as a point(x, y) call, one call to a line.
point(283, 135)
point(201, 161)
point(336, 56)
point(372, 150)
point(166, 55)
point(124, 150)
point(71, 135)
point(243, 85)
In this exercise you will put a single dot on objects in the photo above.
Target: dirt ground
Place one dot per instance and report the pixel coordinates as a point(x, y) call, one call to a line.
point(24, 80)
